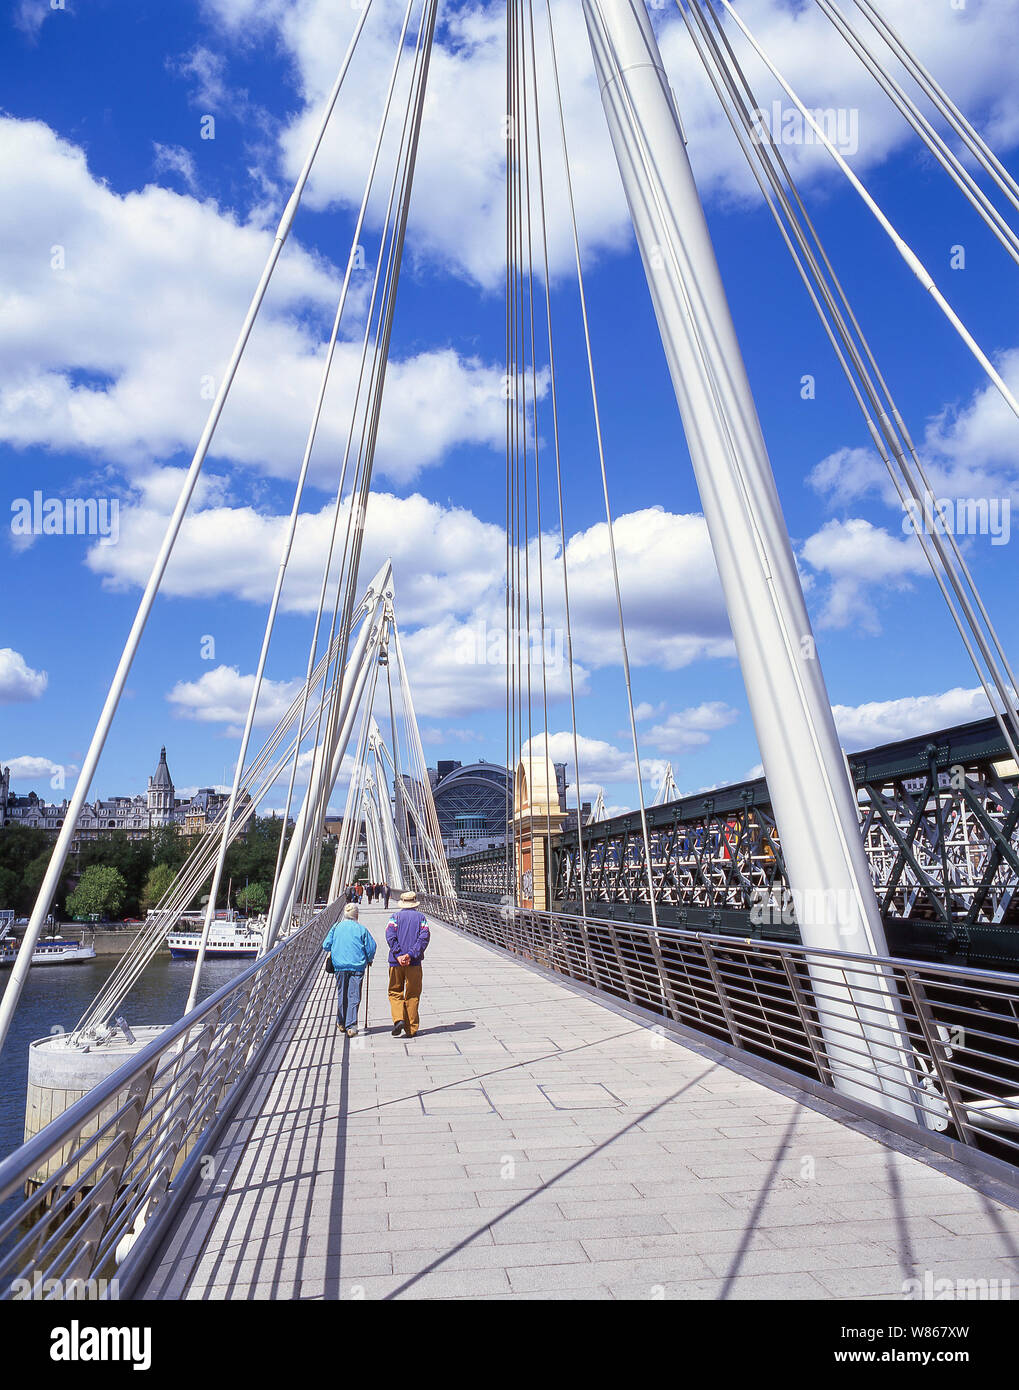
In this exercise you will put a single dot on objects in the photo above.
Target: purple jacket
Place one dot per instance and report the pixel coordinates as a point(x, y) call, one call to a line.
point(407, 934)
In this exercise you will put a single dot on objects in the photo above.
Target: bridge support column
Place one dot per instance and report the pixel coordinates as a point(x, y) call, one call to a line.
point(536, 818)
point(814, 803)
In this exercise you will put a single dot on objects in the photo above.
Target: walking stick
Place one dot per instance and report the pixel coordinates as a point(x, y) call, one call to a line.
point(367, 982)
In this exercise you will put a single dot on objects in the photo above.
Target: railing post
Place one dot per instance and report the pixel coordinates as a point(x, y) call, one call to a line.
point(103, 1194)
point(623, 975)
point(666, 983)
point(940, 1061)
point(719, 983)
point(817, 1053)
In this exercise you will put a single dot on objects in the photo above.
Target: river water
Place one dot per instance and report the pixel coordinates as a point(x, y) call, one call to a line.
point(56, 996)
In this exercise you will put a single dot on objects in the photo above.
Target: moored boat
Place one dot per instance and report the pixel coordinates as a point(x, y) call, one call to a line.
point(225, 939)
point(51, 951)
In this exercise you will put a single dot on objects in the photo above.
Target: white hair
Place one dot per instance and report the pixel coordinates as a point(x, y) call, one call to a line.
point(351, 911)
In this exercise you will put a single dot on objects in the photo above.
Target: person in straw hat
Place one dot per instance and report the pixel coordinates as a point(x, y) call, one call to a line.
point(407, 935)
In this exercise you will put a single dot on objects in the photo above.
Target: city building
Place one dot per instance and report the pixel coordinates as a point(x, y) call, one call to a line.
point(472, 803)
point(136, 816)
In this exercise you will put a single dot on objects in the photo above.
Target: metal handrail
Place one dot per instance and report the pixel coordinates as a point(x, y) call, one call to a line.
point(952, 1032)
point(122, 1143)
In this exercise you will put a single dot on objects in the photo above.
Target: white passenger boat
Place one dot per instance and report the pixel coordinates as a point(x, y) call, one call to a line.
point(226, 939)
point(50, 951)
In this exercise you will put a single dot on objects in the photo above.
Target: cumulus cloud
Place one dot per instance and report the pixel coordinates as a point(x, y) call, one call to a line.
point(115, 336)
point(445, 560)
point(18, 681)
point(859, 558)
point(691, 728)
point(884, 721)
point(601, 763)
point(443, 737)
point(449, 568)
point(222, 695)
point(175, 160)
point(660, 554)
point(969, 449)
point(29, 768)
point(458, 210)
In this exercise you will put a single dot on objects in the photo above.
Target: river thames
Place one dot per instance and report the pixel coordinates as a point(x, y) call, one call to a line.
point(56, 996)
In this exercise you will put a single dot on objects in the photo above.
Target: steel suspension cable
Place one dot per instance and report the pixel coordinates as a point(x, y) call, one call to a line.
point(601, 460)
point(62, 846)
point(905, 251)
point(942, 553)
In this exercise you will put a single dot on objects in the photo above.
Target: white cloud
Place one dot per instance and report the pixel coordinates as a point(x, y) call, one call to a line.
point(30, 15)
point(448, 567)
point(18, 681)
point(174, 159)
point(222, 695)
point(968, 450)
point(445, 560)
point(601, 762)
point(645, 710)
point(29, 768)
point(859, 558)
point(690, 728)
point(885, 721)
point(457, 217)
point(660, 555)
point(442, 737)
point(117, 326)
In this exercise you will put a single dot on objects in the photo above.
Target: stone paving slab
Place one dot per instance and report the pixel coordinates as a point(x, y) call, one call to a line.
point(534, 1143)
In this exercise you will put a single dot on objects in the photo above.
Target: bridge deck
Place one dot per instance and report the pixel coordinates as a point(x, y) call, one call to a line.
point(535, 1143)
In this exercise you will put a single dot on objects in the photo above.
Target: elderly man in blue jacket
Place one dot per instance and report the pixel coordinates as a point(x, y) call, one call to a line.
point(352, 948)
point(407, 935)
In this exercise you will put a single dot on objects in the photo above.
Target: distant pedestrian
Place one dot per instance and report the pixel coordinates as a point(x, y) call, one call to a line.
point(352, 948)
point(371, 892)
point(407, 934)
point(386, 890)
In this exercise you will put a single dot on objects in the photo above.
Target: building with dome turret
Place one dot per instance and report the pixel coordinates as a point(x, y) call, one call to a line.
point(136, 816)
point(160, 797)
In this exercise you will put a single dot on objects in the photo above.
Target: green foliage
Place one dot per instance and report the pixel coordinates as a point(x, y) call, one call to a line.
point(254, 898)
point(25, 852)
point(325, 868)
point(170, 846)
point(102, 891)
point(19, 846)
point(160, 878)
point(10, 888)
point(131, 858)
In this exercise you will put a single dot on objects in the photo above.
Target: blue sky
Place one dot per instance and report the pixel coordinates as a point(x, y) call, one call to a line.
point(163, 234)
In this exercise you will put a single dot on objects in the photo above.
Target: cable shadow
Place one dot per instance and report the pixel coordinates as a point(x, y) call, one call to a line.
point(732, 1272)
point(570, 1168)
point(305, 1082)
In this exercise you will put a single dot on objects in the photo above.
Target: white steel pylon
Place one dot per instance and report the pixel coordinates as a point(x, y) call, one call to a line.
point(814, 803)
point(667, 791)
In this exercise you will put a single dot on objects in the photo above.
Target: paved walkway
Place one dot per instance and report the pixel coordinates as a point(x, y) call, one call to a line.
point(534, 1143)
